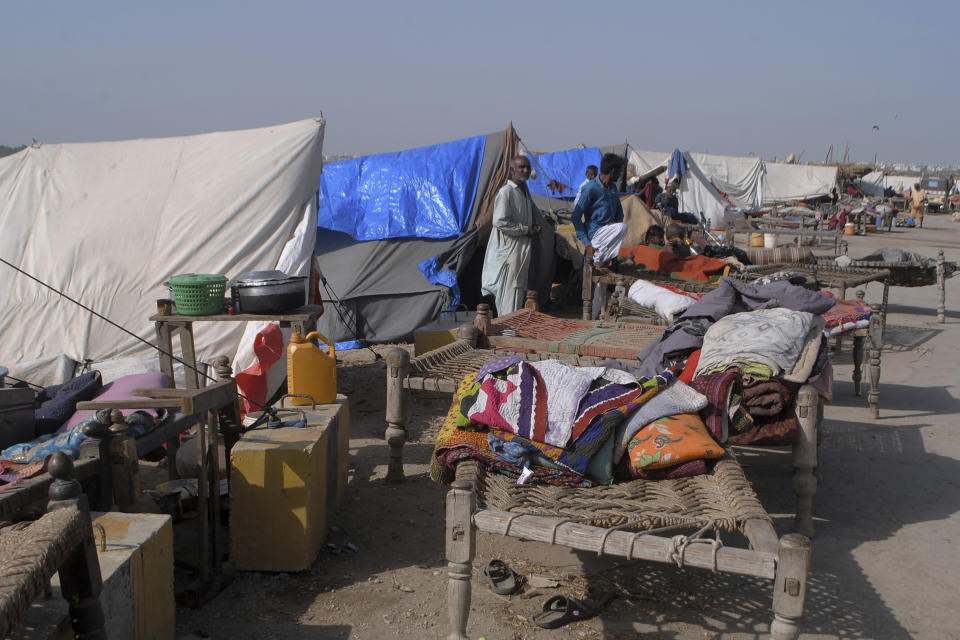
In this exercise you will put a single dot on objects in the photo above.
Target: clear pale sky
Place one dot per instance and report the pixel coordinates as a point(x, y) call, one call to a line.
point(767, 78)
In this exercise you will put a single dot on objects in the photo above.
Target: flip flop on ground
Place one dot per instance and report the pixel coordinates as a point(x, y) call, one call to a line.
point(561, 610)
point(502, 579)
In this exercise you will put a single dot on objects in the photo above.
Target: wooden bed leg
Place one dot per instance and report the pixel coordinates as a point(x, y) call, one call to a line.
point(530, 302)
point(619, 295)
point(80, 580)
point(124, 462)
point(587, 294)
point(231, 426)
point(941, 288)
point(97, 445)
point(876, 343)
point(460, 549)
point(482, 322)
point(790, 586)
point(398, 367)
point(857, 364)
point(805, 459)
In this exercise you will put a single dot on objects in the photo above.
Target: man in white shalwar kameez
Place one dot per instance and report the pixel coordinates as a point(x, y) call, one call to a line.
point(506, 264)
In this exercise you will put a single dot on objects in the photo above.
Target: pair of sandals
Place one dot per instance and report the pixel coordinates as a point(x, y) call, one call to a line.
point(557, 611)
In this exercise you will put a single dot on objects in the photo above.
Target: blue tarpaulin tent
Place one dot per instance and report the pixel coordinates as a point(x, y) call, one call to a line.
point(559, 174)
point(426, 192)
point(398, 232)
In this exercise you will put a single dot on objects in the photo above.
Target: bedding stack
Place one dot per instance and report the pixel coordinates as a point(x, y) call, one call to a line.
point(554, 423)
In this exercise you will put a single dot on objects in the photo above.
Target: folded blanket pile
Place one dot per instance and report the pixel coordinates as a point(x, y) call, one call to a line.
point(775, 338)
point(554, 423)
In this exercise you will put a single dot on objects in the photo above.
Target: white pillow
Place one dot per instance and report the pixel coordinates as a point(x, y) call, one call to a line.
point(666, 303)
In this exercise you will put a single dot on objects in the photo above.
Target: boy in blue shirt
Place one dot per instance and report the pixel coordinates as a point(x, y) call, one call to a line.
point(598, 218)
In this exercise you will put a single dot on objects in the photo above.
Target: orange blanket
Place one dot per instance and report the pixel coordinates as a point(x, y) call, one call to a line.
point(690, 269)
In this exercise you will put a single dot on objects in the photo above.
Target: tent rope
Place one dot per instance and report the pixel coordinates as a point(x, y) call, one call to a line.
point(124, 329)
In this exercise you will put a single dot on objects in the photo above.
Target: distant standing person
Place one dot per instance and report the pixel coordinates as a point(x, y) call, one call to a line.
point(598, 218)
point(918, 199)
point(667, 202)
point(506, 264)
point(591, 173)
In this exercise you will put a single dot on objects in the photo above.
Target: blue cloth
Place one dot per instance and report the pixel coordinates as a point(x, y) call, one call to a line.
point(677, 166)
point(430, 269)
point(417, 193)
point(349, 344)
point(598, 206)
point(139, 423)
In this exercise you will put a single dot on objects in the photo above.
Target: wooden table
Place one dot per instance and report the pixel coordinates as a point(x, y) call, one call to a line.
point(204, 407)
point(303, 320)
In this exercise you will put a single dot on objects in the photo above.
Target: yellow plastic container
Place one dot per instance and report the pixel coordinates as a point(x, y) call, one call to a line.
point(310, 371)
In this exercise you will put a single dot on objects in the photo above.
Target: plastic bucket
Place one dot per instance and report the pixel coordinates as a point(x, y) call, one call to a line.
point(756, 239)
point(769, 241)
point(848, 229)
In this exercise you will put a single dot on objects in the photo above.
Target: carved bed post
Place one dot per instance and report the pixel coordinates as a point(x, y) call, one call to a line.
point(530, 302)
point(941, 288)
point(124, 463)
point(857, 362)
point(460, 548)
point(398, 368)
point(876, 344)
point(97, 445)
point(805, 458)
point(482, 322)
point(587, 294)
point(80, 580)
point(231, 425)
point(790, 586)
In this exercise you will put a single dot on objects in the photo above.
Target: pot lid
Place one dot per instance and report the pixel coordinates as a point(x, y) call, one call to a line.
point(260, 278)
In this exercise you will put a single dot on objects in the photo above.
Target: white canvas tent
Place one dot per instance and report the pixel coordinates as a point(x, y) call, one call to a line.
point(107, 223)
point(741, 179)
point(875, 182)
point(786, 182)
point(749, 182)
point(696, 194)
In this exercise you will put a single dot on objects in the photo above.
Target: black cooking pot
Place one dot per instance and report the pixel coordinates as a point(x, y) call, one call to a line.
point(268, 292)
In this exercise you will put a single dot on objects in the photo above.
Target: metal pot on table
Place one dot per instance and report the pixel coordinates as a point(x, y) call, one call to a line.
point(268, 292)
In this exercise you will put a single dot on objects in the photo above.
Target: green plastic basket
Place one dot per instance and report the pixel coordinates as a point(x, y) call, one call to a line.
point(198, 294)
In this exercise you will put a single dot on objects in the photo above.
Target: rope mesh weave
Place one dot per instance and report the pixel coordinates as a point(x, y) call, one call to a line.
point(620, 340)
point(828, 276)
point(723, 495)
point(30, 556)
point(902, 275)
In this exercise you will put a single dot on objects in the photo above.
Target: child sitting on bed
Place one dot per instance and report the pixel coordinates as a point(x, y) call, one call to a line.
point(654, 237)
point(676, 241)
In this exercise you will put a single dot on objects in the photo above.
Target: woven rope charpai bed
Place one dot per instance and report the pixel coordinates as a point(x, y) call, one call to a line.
point(909, 275)
point(529, 330)
point(540, 336)
point(662, 521)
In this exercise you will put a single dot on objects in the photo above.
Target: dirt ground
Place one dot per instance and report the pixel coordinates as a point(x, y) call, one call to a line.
point(886, 562)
